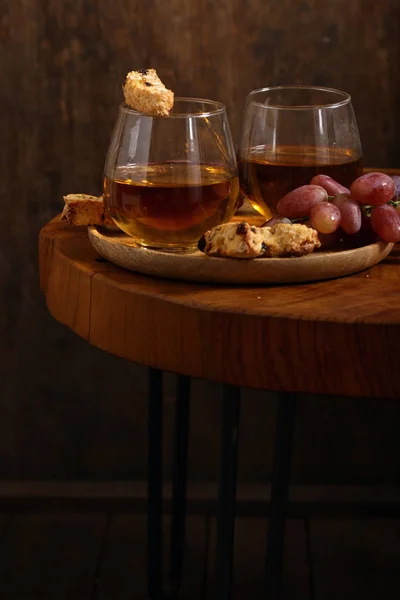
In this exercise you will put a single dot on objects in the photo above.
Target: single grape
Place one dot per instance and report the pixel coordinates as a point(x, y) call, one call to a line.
point(386, 223)
point(330, 185)
point(396, 195)
point(299, 202)
point(373, 189)
point(325, 218)
point(275, 221)
point(350, 212)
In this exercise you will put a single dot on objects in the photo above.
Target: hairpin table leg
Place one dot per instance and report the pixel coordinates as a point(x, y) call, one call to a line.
point(227, 492)
point(154, 502)
point(279, 495)
point(181, 444)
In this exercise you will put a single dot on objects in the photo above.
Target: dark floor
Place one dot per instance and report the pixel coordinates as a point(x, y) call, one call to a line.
point(62, 556)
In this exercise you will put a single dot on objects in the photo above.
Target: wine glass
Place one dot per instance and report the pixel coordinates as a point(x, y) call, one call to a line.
point(291, 133)
point(167, 180)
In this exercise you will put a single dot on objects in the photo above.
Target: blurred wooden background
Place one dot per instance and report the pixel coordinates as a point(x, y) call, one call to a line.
point(68, 410)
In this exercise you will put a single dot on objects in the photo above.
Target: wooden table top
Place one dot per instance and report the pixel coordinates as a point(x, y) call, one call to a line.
point(334, 337)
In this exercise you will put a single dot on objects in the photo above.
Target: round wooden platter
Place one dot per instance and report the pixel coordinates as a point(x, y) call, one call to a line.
point(120, 249)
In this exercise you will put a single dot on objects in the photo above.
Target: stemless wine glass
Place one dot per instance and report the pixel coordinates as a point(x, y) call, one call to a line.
point(167, 180)
point(291, 133)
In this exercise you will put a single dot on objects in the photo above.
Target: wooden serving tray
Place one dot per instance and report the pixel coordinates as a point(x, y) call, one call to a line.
point(122, 250)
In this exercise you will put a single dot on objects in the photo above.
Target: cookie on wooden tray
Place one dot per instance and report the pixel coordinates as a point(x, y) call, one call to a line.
point(237, 240)
point(241, 240)
point(84, 209)
point(290, 239)
point(145, 92)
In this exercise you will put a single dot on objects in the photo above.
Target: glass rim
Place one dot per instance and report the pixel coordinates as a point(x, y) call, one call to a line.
point(346, 97)
point(219, 108)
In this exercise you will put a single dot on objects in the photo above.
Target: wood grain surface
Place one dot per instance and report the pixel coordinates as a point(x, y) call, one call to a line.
point(62, 63)
point(333, 337)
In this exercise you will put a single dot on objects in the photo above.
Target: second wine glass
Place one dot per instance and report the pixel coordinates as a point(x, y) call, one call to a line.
point(291, 133)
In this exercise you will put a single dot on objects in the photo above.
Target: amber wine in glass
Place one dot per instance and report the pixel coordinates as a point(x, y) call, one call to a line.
point(169, 179)
point(290, 134)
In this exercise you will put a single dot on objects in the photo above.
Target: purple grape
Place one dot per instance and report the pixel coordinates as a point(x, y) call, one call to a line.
point(325, 217)
point(386, 223)
point(350, 211)
point(396, 180)
point(373, 189)
point(299, 202)
point(330, 185)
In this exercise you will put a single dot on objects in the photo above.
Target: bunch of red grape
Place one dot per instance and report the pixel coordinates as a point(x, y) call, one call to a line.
point(372, 203)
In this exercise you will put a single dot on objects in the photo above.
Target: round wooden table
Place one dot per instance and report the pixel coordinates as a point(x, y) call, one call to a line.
point(335, 337)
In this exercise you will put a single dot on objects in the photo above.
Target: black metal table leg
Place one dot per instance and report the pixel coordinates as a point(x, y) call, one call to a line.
point(154, 479)
point(227, 492)
point(181, 443)
point(279, 495)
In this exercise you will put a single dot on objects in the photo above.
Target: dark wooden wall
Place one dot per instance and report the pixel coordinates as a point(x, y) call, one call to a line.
point(69, 410)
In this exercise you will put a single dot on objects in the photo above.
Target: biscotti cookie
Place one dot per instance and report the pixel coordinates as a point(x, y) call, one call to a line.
point(84, 209)
point(146, 93)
